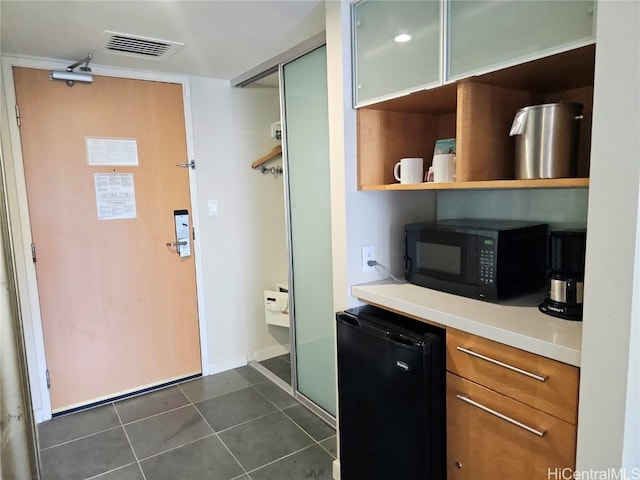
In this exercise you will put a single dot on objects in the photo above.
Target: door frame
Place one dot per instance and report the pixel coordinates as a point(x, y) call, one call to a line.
point(29, 302)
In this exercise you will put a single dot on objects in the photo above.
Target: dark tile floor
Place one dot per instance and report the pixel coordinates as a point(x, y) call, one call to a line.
point(280, 366)
point(233, 425)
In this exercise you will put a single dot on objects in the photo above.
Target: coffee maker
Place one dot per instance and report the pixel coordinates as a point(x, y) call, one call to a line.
point(566, 274)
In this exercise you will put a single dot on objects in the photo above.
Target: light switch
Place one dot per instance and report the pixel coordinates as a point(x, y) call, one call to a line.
point(213, 208)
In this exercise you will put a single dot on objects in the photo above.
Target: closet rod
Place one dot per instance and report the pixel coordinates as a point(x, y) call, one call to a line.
point(275, 151)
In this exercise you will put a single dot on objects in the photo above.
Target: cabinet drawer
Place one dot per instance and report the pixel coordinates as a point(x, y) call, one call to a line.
point(485, 444)
point(537, 381)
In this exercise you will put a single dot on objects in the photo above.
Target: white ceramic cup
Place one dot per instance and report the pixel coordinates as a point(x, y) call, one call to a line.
point(409, 170)
point(444, 167)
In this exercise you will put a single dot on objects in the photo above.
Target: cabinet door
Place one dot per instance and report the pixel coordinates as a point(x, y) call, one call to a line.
point(486, 35)
point(484, 445)
point(387, 64)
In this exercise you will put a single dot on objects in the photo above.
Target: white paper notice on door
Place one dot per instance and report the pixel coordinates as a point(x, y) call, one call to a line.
point(115, 196)
point(112, 151)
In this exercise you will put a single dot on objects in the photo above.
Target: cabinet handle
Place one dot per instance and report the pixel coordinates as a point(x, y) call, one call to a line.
point(467, 399)
point(540, 378)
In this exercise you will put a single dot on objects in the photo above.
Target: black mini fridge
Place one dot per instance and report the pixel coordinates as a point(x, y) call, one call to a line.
point(391, 396)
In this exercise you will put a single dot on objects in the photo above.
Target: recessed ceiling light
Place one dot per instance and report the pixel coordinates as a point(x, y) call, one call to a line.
point(402, 38)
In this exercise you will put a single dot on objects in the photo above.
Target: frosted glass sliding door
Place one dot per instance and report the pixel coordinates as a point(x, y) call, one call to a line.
point(307, 148)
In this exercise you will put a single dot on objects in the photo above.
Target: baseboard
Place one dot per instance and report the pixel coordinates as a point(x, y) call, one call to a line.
point(228, 364)
point(265, 353)
point(336, 469)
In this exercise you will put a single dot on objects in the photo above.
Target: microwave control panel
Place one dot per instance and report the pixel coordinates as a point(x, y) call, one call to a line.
point(487, 261)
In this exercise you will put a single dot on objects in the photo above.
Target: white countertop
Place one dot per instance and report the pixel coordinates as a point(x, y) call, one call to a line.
point(516, 322)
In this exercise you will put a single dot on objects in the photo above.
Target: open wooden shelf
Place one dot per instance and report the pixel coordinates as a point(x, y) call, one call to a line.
point(478, 112)
point(487, 184)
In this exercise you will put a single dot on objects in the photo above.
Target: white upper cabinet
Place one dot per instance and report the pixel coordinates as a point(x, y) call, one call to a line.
point(487, 35)
point(401, 46)
point(397, 47)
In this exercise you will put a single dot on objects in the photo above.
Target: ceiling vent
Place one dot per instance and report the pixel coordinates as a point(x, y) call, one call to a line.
point(140, 47)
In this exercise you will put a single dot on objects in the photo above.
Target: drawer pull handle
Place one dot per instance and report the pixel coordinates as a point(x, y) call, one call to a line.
point(467, 399)
point(540, 378)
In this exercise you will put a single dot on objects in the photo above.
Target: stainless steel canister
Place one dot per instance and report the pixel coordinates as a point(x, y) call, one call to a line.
point(547, 140)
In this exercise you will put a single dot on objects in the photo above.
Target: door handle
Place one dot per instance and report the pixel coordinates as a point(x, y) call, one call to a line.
point(191, 164)
point(177, 244)
point(467, 399)
point(540, 378)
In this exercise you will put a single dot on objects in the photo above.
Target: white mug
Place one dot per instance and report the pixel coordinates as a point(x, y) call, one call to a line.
point(409, 170)
point(444, 167)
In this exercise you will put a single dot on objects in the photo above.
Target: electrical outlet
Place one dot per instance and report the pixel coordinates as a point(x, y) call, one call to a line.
point(368, 253)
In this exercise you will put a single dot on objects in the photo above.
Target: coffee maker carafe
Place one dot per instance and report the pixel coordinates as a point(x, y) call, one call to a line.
point(566, 274)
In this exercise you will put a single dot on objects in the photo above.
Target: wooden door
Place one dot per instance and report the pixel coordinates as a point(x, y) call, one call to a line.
point(118, 306)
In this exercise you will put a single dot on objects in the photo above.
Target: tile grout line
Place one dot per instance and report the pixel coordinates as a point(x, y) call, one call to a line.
point(326, 449)
point(216, 433)
point(189, 404)
point(154, 415)
point(135, 455)
point(215, 396)
point(218, 437)
point(213, 434)
point(278, 409)
point(282, 410)
point(97, 477)
point(278, 459)
point(79, 438)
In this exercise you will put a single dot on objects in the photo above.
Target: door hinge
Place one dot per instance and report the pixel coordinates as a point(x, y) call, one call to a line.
point(193, 233)
point(33, 252)
point(48, 379)
point(18, 115)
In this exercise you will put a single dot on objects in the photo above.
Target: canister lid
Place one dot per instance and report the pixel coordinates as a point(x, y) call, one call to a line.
point(571, 105)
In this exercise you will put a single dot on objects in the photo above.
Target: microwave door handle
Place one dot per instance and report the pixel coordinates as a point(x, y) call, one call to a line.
point(408, 267)
point(408, 263)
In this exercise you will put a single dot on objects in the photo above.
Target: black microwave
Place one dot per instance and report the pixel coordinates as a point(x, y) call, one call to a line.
point(484, 259)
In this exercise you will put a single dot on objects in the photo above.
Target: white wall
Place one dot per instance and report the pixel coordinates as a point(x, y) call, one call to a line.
point(631, 446)
point(611, 246)
point(244, 248)
point(359, 218)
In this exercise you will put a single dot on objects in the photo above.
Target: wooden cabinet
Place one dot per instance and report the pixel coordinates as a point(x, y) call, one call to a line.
point(396, 48)
point(510, 413)
point(537, 381)
point(478, 112)
point(490, 34)
point(483, 445)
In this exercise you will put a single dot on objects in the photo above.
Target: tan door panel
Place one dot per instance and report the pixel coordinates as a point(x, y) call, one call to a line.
point(118, 306)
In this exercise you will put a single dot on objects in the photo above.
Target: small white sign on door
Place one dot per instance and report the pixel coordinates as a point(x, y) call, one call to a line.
point(115, 196)
point(112, 151)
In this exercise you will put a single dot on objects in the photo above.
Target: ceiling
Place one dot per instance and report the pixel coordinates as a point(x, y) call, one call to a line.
point(222, 38)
